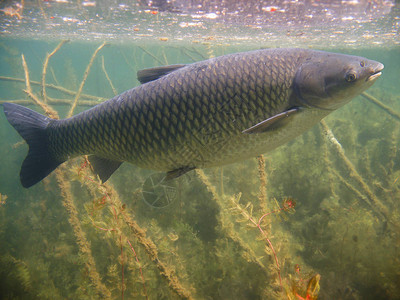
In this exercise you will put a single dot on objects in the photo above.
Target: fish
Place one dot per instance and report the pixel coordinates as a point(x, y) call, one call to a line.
point(205, 114)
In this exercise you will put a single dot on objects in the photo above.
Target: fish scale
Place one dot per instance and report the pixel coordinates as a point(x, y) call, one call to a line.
point(204, 102)
point(205, 114)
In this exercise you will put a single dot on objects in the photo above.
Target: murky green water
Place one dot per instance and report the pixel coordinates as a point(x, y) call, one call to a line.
point(70, 237)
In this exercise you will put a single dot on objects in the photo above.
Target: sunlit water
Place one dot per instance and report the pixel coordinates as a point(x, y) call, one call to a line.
point(344, 229)
point(265, 23)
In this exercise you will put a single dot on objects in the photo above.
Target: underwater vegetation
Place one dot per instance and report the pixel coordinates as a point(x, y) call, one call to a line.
point(317, 218)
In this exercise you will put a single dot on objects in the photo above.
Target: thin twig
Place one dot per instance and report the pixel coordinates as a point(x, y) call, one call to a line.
point(199, 53)
point(209, 50)
point(54, 76)
point(83, 243)
point(39, 2)
point(45, 64)
point(94, 186)
point(122, 268)
point(47, 109)
point(87, 103)
point(55, 87)
point(165, 57)
point(154, 57)
point(183, 51)
point(270, 245)
point(140, 269)
point(386, 108)
point(226, 224)
point(108, 78)
point(262, 194)
point(376, 204)
point(85, 75)
point(350, 187)
point(127, 61)
point(152, 252)
point(25, 66)
point(68, 203)
point(22, 7)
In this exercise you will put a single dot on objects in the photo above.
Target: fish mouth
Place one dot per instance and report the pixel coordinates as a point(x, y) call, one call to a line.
point(376, 73)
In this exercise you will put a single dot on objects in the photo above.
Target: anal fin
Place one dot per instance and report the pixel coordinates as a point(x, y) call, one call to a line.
point(103, 167)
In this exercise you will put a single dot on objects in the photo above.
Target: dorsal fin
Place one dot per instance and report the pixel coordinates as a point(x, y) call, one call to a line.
point(151, 74)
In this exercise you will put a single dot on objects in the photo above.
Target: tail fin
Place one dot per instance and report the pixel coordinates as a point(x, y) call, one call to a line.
point(32, 127)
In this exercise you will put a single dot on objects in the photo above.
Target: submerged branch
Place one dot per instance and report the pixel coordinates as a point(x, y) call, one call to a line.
point(83, 243)
point(108, 78)
point(262, 194)
point(55, 87)
point(87, 103)
point(47, 109)
point(152, 252)
point(386, 108)
point(227, 225)
point(85, 75)
point(154, 57)
point(66, 192)
point(375, 203)
point(45, 64)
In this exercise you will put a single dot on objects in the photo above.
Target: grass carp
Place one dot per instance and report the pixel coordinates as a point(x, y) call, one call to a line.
point(199, 115)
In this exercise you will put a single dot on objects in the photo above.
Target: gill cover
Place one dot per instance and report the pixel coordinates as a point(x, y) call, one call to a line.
point(317, 83)
point(329, 80)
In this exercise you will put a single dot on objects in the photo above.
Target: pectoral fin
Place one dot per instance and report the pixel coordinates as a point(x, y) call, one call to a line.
point(103, 167)
point(273, 122)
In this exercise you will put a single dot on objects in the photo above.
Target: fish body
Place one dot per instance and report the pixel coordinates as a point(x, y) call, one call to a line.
point(204, 114)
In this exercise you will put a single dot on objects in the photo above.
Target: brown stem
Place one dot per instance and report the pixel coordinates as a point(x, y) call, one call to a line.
point(108, 78)
point(226, 224)
point(375, 204)
point(47, 109)
point(45, 64)
point(183, 51)
point(54, 76)
point(262, 195)
point(68, 203)
point(22, 7)
point(55, 87)
point(85, 75)
point(386, 108)
point(152, 251)
point(52, 101)
point(154, 57)
point(84, 246)
point(39, 2)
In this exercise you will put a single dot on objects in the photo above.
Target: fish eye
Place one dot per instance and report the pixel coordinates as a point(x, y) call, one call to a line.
point(350, 77)
point(362, 63)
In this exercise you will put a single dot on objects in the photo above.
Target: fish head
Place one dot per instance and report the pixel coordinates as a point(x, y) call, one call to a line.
point(330, 80)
